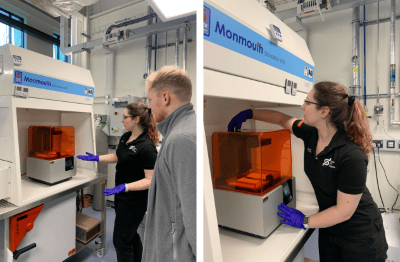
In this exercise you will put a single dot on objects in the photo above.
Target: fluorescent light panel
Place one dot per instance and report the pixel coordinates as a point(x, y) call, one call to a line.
point(173, 9)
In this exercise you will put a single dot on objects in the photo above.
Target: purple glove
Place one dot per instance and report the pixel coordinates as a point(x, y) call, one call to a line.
point(116, 190)
point(293, 216)
point(237, 120)
point(89, 157)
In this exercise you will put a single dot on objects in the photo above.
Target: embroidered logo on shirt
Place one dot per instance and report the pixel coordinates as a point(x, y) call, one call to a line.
point(328, 162)
point(133, 148)
point(300, 123)
point(308, 150)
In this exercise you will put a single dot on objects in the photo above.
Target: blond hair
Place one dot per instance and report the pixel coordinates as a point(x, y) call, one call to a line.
point(172, 79)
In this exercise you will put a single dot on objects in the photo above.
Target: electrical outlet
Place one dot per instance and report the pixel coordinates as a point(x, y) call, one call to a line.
point(390, 144)
point(378, 143)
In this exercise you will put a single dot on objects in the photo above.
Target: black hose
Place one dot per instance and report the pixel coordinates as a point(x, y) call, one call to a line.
point(377, 182)
point(138, 20)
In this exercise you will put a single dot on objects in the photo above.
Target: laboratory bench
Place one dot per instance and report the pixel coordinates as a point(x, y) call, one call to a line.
point(76, 183)
point(283, 244)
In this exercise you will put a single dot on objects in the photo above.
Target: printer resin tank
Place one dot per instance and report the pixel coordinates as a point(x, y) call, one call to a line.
point(51, 154)
point(252, 175)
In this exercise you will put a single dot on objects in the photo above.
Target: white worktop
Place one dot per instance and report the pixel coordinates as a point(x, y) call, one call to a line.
point(276, 247)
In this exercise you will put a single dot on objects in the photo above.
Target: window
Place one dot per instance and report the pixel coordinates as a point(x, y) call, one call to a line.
point(8, 34)
point(57, 54)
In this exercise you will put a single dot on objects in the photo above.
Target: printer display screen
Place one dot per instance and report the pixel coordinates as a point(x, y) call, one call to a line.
point(287, 194)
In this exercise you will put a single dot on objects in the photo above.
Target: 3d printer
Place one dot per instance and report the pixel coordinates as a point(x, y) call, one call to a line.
point(51, 154)
point(252, 175)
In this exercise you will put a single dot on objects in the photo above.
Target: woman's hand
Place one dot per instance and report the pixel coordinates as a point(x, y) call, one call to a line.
point(89, 157)
point(237, 121)
point(293, 216)
point(116, 190)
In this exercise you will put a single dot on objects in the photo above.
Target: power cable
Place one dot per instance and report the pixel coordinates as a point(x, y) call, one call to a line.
point(377, 181)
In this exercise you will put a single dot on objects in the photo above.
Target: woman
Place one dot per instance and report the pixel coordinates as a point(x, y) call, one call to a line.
point(337, 141)
point(135, 157)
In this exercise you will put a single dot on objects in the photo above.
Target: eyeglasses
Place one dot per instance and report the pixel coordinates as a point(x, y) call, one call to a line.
point(125, 117)
point(309, 102)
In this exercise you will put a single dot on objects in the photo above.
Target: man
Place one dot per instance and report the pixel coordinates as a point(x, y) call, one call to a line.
point(170, 232)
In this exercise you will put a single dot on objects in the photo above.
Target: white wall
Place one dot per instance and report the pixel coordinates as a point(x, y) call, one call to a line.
point(130, 57)
point(36, 20)
point(330, 43)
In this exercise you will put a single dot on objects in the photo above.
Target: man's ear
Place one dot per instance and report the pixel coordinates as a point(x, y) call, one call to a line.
point(166, 98)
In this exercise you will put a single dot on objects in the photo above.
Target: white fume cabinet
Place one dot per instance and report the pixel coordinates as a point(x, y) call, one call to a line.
point(247, 67)
point(37, 90)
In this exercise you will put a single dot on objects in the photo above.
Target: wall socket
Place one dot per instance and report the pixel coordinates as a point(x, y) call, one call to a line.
point(386, 144)
point(378, 143)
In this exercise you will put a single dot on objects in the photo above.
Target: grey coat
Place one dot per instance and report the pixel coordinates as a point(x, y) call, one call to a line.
point(170, 231)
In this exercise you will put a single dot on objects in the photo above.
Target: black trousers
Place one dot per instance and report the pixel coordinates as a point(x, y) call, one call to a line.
point(129, 214)
point(372, 248)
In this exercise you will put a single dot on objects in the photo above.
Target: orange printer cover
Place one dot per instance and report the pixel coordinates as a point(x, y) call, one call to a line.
point(51, 142)
point(251, 162)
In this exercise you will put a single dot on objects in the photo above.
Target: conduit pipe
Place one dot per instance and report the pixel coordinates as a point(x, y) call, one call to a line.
point(177, 48)
point(185, 31)
point(355, 58)
point(149, 41)
point(110, 71)
point(365, 65)
point(392, 61)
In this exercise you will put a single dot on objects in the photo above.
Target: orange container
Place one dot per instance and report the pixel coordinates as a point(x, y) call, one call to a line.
point(51, 142)
point(252, 163)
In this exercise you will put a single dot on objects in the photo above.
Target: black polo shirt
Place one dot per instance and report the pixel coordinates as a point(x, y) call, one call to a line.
point(133, 158)
point(342, 165)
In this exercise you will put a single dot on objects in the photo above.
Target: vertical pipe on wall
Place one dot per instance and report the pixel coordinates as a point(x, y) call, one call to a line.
point(355, 58)
point(149, 41)
point(155, 51)
point(177, 48)
point(392, 61)
point(185, 47)
point(110, 71)
point(87, 26)
point(166, 48)
point(74, 38)
point(365, 66)
point(63, 33)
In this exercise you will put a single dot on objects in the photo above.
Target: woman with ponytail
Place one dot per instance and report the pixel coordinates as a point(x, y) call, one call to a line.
point(337, 142)
point(135, 157)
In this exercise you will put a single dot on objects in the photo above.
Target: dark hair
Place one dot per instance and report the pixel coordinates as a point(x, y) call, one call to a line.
point(344, 113)
point(146, 119)
point(172, 78)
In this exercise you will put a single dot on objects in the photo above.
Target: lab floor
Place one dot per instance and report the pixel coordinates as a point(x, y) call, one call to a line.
point(88, 254)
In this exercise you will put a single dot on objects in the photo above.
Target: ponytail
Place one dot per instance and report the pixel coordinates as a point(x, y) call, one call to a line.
point(146, 120)
point(346, 112)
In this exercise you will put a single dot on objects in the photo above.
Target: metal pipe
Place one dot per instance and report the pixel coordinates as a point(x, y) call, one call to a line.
point(177, 48)
point(380, 20)
point(185, 47)
point(381, 95)
point(155, 51)
point(74, 30)
point(377, 61)
point(392, 61)
point(63, 34)
point(87, 25)
point(355, 58)
point(189, 40)
point(149, 41)
point(166, 48)
point(365, 65)
point(110, 68)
